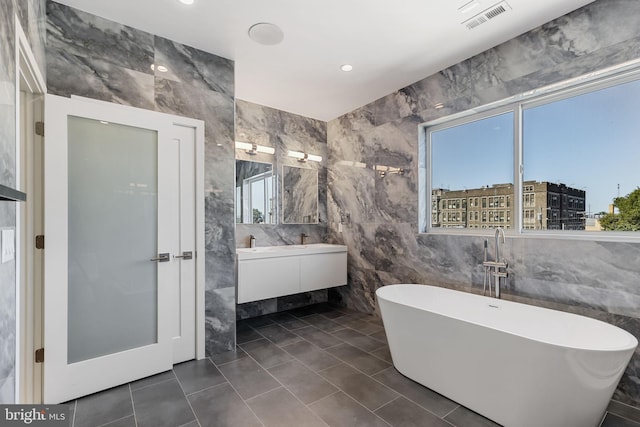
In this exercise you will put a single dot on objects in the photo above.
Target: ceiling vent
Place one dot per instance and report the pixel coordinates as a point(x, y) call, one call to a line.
point(487, 15)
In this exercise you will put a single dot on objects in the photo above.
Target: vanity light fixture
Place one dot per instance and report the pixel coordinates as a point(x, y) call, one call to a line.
point(187, 2)
point(438, 106)
point(254, 148)
point(160, 68)
point(303, 157)
point(346, 67)
point(384, 170)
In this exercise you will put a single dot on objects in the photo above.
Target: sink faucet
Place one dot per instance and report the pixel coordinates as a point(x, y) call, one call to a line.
point(303, 239)
point(499, 231)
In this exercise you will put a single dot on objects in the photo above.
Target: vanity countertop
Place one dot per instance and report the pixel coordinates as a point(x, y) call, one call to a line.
point(287, 250)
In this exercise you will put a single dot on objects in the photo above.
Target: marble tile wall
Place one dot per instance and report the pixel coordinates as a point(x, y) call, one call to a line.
point(96, 58)
point(283, 131)
point(379, 216)
point(31, 15)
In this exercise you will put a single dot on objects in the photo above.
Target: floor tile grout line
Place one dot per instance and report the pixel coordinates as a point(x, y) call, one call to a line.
point(75, 411)
point(133, 406)
point(187, 398)
point(349, 397)
point(360, 370)
point(298, 336)
point(249, 399)
point(415, 402)
point(324, 397)
point(388, 403)
point(151, 385)
point(206, 388)
point(353, 397)
point(235, 390)
point(281, 363)
point(619, 416)
point(377, 348)
point(451, 411)
point(338, 361)
point(118, 419)
point(630, 408)
point(249, 342)
point(284, 387)
point(230, 361)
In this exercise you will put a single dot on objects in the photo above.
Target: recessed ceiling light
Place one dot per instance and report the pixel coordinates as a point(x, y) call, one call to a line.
point(266, 33)
point(186, 1)
point(346, 67)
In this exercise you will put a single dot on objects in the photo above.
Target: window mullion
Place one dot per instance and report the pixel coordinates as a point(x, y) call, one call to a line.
point(518, 168)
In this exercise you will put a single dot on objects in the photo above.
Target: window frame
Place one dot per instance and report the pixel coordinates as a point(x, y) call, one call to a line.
point(603, 79)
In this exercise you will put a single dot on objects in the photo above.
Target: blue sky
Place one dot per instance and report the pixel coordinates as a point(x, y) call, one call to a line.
point(591, 142)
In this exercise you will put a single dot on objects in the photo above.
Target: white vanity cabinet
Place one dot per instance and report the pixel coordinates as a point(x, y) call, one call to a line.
point(275, 271)
point(322, 271)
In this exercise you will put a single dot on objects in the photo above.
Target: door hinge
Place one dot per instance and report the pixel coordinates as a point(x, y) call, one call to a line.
point(40, 241)
point(40, 355)
point(40, 128)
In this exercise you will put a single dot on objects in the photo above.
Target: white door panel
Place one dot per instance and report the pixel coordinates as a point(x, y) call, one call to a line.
point(113, 183)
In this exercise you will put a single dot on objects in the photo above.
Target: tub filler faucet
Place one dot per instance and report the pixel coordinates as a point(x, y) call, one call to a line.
point(303, 239)
point(496, 269)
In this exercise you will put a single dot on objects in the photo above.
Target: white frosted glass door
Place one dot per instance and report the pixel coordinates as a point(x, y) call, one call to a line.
point(113, 227)
point(111, 210)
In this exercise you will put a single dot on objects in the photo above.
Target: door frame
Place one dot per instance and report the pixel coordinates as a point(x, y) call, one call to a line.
point(29, 109)
point(56, 225)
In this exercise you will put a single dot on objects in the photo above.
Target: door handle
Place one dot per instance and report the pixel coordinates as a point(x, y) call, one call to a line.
point(185, 255)
point(163, 257)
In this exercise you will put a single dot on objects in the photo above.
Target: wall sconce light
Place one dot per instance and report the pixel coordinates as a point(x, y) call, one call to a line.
point(384, 170)
point(303, 157)
point(254, 148)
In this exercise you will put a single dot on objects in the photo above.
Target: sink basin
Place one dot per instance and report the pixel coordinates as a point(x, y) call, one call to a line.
point(287, 250)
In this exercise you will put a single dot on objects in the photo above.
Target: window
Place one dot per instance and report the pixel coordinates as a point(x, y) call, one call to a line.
point(566, 181)
point(529, 200)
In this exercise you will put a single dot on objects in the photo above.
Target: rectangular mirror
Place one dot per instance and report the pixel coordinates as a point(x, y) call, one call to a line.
point(299, 195)
point(255, 199)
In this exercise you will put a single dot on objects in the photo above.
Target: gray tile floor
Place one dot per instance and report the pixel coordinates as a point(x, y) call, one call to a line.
point(315, 366)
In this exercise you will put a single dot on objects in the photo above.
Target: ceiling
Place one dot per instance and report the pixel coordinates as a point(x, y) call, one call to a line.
point(390, 44)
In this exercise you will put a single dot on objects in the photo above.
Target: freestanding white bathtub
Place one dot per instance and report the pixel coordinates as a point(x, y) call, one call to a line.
point(516, 364)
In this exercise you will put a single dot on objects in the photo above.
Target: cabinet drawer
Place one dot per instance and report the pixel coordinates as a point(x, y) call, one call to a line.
point(268, 278)
point(323, 271)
